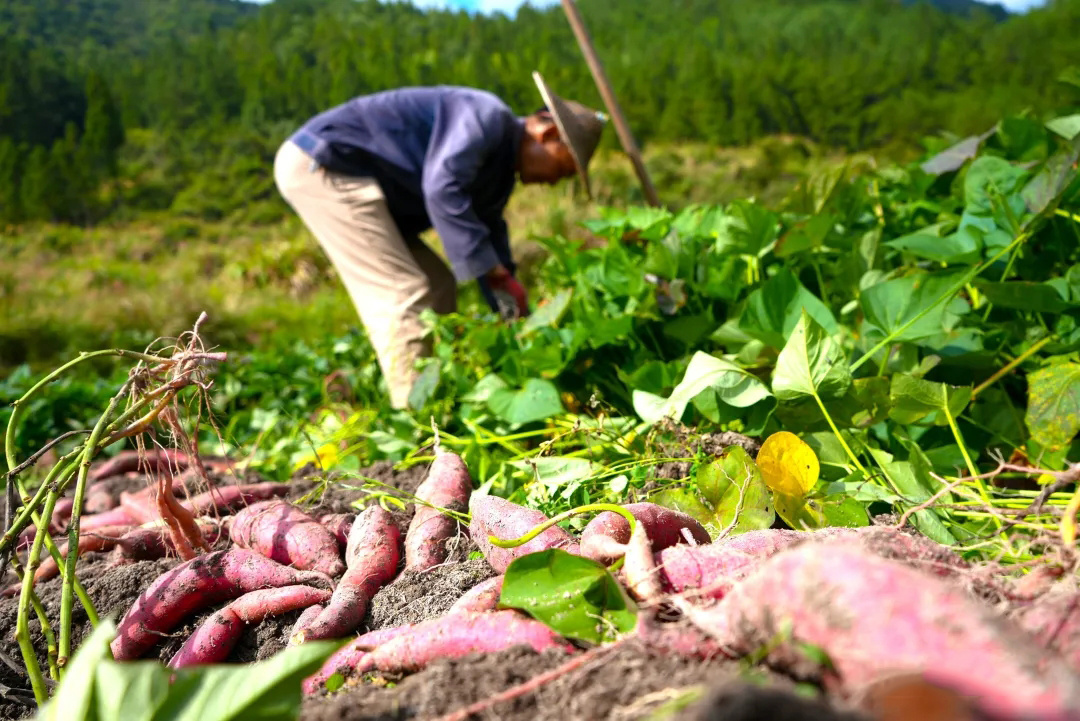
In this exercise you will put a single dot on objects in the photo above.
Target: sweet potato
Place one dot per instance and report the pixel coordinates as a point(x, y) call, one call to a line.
point(339, 524)
point(114, 517)
point(448, 485)
point(451, 636)
point(506, 520)
point(484, 596)
point(1054, 620)
point(101, 539)
point(874, 617)
point(372, 554)
point(226, 498)
point(712, 569)
point(605, 535)
point(284, 533)
point(128, 461)
point(142, 544)
point(215, 637)
point(195, 585)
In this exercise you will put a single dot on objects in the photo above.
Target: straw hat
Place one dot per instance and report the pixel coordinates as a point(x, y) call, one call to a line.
point(579, 127)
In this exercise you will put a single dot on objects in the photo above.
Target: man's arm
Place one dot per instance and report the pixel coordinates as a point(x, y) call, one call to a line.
point(466, 134)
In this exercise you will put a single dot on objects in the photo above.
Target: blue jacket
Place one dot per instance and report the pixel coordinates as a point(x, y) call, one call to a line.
point(445, 157)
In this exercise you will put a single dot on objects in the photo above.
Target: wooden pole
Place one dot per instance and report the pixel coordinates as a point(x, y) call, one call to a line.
point(608, 95)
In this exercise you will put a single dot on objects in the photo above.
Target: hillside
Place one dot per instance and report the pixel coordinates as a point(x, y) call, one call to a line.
point(185, 103)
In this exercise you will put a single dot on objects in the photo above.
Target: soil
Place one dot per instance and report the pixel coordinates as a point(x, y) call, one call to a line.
point(629, 682)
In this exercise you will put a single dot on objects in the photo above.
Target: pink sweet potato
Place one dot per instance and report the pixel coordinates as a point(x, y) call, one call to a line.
point(128, 461)
point(1054, 620)
point(447, 637)
point(284, 533)
point(875, 617)
point(215, 637)
point(114, 517)
point(602, 539)
point(484, 596)
point(373, 554)
point(226, 498)
point(195, 585)
point(506, 520)
point(448, 485)
point(339, 524)
point(101, 539)
point(142, 544)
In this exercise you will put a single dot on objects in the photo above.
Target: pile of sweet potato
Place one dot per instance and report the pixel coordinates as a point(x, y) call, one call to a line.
point(877, 603)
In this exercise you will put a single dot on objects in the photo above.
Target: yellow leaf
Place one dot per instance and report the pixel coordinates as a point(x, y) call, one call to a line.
point(788, 465)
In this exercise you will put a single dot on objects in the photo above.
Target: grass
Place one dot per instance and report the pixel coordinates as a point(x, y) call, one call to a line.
point(66, 289)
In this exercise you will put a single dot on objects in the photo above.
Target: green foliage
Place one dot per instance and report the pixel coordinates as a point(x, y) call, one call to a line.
point(96, 688)
point(573, 595)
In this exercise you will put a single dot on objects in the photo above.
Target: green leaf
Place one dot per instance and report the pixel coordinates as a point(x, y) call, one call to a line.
point(915, 490)
point(844, 511)
point(573, 595)
point(731, 384)
point(558, 473)
point(426, 383)
point(1067, 126)
point(773, 310)
point(958, 247)
point(550, 313)
point(802, 514)
point(1024, 295)
point(810, 364)
point(75, 695)
point(891, 305)
point(262, 691)
point(716, 495)
point(913, 399)
point(1053, 411)
point(131, 691)
point(536, 400)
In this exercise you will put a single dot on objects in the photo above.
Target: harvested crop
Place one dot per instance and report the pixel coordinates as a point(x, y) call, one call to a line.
point(195, 585)
point(372, 555)
point(129, 461)
point(484, 596)
point(874, 617)
point(216, 637)
point(339, 524)
point(506, 520)
point(448, 486)
point(284, 533)
point(605, 535)
point(450, 636)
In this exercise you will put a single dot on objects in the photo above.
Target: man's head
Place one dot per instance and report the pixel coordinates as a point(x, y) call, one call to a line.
point(559, 139)
point(544, 157)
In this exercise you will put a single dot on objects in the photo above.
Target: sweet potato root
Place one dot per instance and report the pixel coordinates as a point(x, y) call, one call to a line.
point(1054, 620)
point(339, 524)
point(451, 636)
point(506, 520)
point(114, 517)
point(195, 585)
point(875, 617)
point(484, 596)
point(227, 498)
point(605, 535)
point(142, 544)
point(284, 533)
point(448, 485)
point(216, 637)
point(128, 461)
point(373, 554)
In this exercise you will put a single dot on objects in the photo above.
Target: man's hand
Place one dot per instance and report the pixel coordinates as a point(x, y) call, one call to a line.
point(508, 291)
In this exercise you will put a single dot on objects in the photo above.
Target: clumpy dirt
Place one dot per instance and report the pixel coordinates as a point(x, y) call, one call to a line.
point(629, 682)
point(689, 443)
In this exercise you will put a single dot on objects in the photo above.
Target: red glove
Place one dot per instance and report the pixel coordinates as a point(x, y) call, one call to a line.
point(508, 291)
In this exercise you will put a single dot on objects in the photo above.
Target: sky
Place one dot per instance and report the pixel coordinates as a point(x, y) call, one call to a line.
point(509, 6)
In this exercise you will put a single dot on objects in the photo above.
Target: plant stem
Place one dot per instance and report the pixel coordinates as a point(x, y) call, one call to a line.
point(967, 278)
point(839, 437)
point(514, 543)
point(22, 620)
point(1010, 365)
point(66, 593)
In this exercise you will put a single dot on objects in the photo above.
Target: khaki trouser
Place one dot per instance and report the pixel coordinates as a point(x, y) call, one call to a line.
point(389, 279)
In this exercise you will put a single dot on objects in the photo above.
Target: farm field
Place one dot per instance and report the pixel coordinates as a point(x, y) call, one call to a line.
point(801, 441)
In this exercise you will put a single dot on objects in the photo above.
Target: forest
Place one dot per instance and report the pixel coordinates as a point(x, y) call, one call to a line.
point(109, 109)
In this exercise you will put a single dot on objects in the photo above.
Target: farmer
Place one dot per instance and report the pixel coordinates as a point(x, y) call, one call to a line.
point(368, 176)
